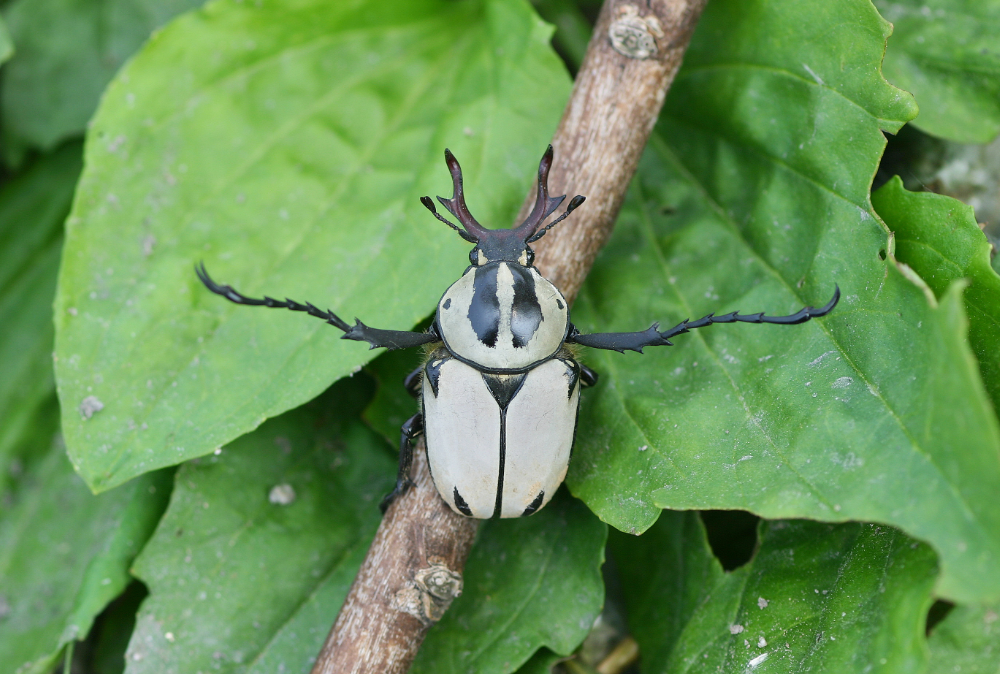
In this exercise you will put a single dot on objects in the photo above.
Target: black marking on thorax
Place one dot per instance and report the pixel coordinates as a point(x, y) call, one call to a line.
point(484, 311)
point(526, 314)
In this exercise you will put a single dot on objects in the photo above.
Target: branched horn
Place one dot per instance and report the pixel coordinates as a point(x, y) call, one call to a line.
point(456, 205)
point(544, 204)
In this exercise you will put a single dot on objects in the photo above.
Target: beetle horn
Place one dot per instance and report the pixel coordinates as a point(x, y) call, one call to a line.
point(456, 205)
point(544, 204)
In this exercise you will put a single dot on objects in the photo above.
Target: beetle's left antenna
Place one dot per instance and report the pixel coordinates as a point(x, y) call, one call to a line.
point(429, 205)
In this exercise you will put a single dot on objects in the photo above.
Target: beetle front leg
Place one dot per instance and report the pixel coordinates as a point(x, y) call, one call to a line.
point(410, 431)
point(359, 332)
point(637, 341)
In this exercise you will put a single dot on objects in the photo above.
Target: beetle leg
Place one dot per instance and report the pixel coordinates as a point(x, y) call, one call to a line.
point(409, 432)
point(414, 381)
point(587, 376)
point(388, 339)
point(620, 341)
point(637, 341)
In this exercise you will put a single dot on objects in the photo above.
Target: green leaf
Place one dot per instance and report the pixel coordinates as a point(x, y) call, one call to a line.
point(33, 207)
point(966, 641)
point(816, 597)
point(67, 51)
point(64, 554)
point(671, 573)
point(540, 663)
point(939, 238)
point(261, 542)
point(285, 144)
point(945, 53)
point(529, 583)
point(6, 46)
point(754, 195)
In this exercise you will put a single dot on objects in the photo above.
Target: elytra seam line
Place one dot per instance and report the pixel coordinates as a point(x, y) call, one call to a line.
point(503, 458)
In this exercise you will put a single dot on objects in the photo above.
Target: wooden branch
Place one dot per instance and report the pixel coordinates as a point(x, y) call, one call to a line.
point(633, 56)
point(414, 566)
point(411, 574)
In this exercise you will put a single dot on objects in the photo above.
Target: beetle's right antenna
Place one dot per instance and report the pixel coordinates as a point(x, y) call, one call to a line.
point(576, 201)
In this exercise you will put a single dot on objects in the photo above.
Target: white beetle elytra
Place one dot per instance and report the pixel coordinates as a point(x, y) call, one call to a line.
point(499, 391)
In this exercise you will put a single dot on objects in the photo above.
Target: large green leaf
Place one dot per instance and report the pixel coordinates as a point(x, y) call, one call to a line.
point(529, 583)
point(754, 195)
point(67, 51)
point(33, 207)
point(815, 598)
point(945, 53)
point(967, 641)
point(6, 46)
point(939, 238)
point(670, 573)
point(65, 553)
point(261, 542)
point(285, 144)
point(540, 663)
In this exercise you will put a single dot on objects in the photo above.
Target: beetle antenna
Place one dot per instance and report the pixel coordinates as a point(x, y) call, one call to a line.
point(429, 205)
point(577, 200)
point(456, 205)
point(800, 316)
point(233, 296)
point(544, 204)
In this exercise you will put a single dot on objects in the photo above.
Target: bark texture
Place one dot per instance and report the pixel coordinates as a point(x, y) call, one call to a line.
point(414, 566)
point(632, 58)
point(411, 574)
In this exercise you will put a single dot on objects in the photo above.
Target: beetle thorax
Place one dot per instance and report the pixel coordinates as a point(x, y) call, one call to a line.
point(503, 316)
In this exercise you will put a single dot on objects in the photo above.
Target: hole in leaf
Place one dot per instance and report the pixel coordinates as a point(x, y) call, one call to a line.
point(939, 611)
point(732, 534)
point(104, 648)
point(881, 254)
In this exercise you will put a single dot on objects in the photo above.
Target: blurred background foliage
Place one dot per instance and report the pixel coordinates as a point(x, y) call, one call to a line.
point(820, 498)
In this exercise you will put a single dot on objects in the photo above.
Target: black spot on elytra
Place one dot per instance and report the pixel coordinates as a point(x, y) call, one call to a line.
point(460, 503)
point(447, 303)
point(433, 372)
point(534, 505)
point(572, 375)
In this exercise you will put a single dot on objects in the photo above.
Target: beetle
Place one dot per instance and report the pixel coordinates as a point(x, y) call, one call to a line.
point(499, 389)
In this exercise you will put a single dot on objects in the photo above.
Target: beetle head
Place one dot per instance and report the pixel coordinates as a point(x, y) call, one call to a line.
point(509, 245)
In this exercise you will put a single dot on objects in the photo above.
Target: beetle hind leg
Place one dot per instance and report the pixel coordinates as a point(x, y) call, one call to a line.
point(409, 432)
point(588, 377)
